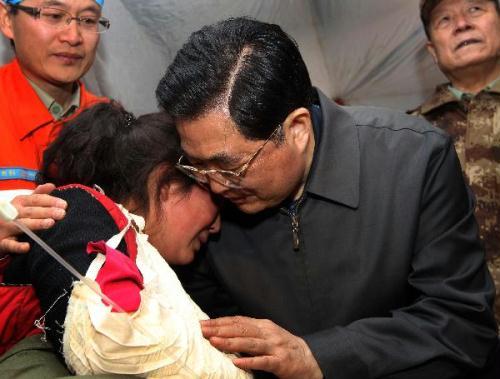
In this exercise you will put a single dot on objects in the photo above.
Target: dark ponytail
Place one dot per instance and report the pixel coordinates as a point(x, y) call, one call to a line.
point(108, 146)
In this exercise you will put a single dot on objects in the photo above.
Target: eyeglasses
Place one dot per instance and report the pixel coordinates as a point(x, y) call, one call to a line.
point(60, 19)
point(228, 178)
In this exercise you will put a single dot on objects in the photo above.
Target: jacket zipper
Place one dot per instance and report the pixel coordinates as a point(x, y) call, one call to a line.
point(293, 213)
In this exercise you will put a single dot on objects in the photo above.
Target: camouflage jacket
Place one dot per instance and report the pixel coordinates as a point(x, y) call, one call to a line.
point(474, 124)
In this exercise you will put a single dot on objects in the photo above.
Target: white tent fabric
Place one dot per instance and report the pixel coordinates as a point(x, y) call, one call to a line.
point(369, 52)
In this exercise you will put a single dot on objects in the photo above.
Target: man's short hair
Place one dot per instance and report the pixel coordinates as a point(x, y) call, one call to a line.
point(426, 8)
point(250, 69)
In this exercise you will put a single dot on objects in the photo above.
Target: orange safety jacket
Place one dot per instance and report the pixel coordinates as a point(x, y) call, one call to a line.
point(26, 127)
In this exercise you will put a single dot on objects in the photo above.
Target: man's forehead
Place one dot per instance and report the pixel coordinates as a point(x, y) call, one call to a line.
point(212, 138)
point(440, 4)
point(214, 126)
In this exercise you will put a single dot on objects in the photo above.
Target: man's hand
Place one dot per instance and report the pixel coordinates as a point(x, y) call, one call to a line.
point(37, 211)
point(271, 347)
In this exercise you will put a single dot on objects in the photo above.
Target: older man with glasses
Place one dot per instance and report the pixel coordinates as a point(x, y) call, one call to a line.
point(348, 245)
point(228, 178)
point(55, 44)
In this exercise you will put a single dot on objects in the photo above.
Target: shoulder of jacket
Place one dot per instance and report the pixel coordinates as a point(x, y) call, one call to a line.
point(391, 119)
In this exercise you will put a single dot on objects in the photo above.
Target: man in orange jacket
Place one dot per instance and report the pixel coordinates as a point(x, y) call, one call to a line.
point(55, 45)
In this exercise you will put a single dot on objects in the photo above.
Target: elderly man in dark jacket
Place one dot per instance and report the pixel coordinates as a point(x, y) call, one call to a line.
point(349, 242)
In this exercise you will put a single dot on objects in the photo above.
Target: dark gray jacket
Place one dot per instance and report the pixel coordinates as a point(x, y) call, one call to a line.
point(389, 276)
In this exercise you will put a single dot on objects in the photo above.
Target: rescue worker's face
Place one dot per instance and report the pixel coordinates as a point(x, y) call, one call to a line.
point(48, 56)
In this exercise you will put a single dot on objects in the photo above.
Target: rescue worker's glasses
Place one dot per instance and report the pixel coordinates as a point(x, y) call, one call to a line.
point(60, 19)
point(228, 178)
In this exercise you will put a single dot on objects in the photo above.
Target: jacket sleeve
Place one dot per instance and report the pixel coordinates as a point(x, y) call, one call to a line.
point(449, 330)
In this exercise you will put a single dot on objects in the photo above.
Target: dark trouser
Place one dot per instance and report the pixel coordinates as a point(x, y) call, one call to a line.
point(34, 359)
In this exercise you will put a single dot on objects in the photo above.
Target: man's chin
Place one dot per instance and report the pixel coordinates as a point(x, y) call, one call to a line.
point(251, 207)
point(472, 59)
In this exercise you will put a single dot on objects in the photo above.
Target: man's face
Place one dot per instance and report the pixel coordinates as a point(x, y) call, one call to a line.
point(48, 56)
point(464, 33)
point(213, 142)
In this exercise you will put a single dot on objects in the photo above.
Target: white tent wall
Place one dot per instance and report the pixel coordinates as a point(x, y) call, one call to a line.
point(376, 52)
point(363, 51)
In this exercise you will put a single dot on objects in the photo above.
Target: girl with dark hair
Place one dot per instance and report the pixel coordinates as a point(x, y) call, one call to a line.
point(131, 212)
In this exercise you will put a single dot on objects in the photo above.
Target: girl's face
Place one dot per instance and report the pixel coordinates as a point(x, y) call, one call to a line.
point(182, 223)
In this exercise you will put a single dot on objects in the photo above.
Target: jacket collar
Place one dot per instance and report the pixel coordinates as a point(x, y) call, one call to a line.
point(441, 96)
point(21, 92)
point(33, 109)
point(335, 170)
point(57, 110)
point(495, 87)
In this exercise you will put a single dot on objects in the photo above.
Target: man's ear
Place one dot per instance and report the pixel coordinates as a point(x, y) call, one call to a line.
point(6, 22)
point(432, 50)
point(299, 126)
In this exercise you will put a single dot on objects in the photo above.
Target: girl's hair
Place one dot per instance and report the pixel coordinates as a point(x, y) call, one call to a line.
point(107, 146)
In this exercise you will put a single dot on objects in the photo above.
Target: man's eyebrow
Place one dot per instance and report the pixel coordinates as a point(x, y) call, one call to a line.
point(435, 15)
point(60, 4)
point(224, 158)
point(53, 3)
point(477, 1)
point(221, 158)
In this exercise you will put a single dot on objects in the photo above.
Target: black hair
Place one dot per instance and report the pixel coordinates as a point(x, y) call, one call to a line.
point(108, 146)
point(252, 69)
point(426, 13)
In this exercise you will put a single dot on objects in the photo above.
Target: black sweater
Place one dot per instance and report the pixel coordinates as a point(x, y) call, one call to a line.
point(86, 220)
